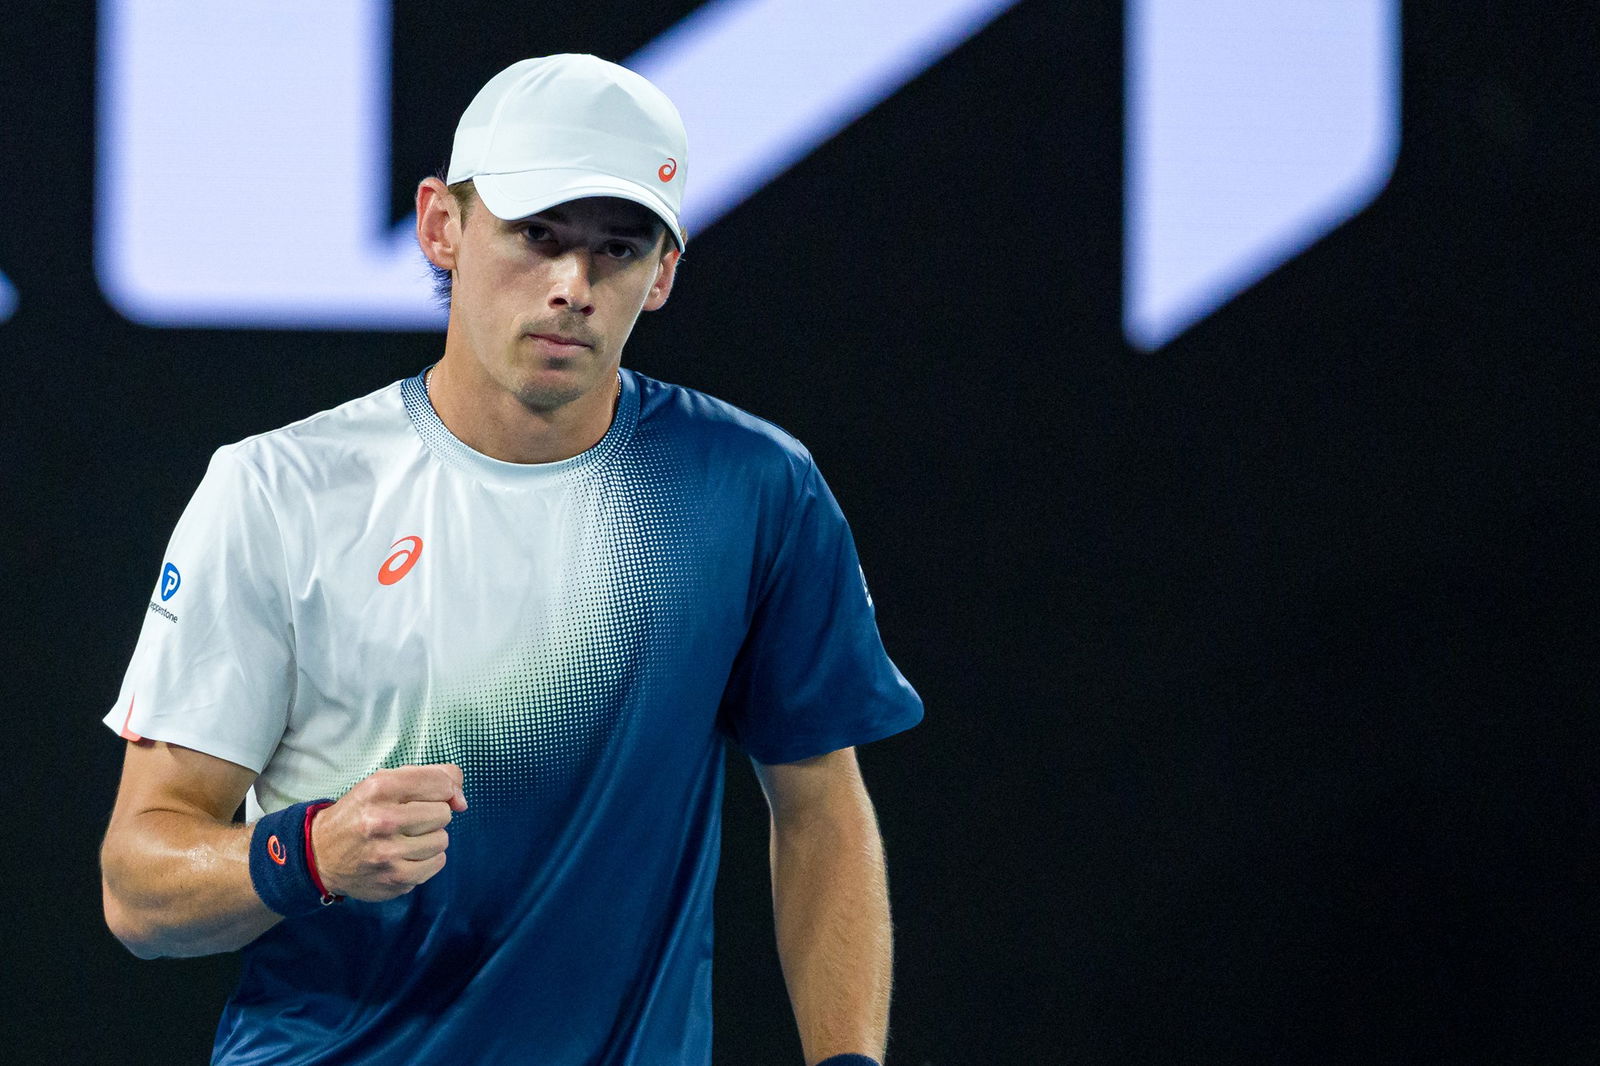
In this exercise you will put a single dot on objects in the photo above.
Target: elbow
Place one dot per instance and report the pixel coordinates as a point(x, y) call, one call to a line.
point(130, 923)
point(124, 924)
point(121, 919)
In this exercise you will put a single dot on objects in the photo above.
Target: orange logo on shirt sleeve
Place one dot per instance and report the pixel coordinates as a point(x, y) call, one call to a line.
point(126, 732)
point(399, 563)
point(276, 850)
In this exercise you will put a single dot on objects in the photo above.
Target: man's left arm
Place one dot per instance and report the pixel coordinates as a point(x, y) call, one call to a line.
point(831, 904)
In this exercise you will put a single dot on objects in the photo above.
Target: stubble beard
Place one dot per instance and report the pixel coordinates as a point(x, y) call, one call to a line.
point(543, 399)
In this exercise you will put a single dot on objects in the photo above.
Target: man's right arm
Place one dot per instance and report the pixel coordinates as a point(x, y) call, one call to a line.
point(175, 867)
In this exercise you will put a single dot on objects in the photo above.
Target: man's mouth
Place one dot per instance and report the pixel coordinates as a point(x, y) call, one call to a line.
point(562, 340)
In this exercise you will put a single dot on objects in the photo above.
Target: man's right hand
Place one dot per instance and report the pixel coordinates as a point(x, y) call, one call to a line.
point(387, 834)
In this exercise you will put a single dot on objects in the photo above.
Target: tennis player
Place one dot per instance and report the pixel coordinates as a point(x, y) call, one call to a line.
point(468, 650)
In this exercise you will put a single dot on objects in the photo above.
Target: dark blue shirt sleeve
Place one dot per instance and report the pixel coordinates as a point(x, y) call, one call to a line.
point(812, 675)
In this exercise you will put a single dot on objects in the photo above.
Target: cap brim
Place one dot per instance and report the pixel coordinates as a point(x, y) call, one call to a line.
point(513, 196)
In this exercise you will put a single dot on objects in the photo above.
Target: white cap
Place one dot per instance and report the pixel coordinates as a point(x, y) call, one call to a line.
point(545, 131)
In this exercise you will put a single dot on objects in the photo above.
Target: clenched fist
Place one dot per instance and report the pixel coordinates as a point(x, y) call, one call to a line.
point(386, 835)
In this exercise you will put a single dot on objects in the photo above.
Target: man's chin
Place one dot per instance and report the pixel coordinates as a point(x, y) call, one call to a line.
point(552, 390)
point(543, 398)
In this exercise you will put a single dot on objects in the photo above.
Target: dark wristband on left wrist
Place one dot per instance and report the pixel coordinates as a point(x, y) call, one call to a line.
point(283, 868)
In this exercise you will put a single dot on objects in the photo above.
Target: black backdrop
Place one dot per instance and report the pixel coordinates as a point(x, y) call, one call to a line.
point(1260, 670)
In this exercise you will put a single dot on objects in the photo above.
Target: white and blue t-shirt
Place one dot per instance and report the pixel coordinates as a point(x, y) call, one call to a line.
point(361, 590)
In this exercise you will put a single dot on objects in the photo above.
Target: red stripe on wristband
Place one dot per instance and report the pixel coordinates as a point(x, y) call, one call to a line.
point(311, 858)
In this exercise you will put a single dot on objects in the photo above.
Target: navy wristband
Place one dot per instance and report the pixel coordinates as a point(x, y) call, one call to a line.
point(849, 1060)
point(282, 868)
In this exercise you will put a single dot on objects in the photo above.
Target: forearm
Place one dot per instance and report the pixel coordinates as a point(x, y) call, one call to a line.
point(831, 902)
point(178, 884)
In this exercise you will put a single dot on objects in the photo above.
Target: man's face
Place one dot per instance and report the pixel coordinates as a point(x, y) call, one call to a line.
point(547, 302)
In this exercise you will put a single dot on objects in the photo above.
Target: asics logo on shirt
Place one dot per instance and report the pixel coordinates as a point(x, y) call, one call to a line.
point(399, 563)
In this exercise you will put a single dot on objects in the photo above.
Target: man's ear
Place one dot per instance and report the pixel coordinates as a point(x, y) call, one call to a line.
point(438, 223)
point(661, 288)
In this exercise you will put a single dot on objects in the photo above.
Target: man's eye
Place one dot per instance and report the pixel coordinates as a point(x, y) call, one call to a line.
point(536, 233)
point(620, 250)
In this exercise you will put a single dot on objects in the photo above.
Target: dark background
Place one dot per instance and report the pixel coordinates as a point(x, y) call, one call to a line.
point(1260, 670)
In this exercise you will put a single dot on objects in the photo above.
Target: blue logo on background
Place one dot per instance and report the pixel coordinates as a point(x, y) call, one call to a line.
point(170, 579)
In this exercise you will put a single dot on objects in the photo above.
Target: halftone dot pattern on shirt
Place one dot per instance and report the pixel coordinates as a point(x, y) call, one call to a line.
point(532, 718)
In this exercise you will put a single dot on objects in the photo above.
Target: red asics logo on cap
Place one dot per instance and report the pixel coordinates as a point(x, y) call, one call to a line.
point(668, 169)
point(275, 849)
point(399, 563)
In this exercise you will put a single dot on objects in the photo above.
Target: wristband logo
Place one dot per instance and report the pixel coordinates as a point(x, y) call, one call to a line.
point(399, 563)
point(276, 851)
point(170, 580)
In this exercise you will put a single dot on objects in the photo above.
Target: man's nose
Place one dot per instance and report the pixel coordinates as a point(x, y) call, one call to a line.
point(569, 287)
